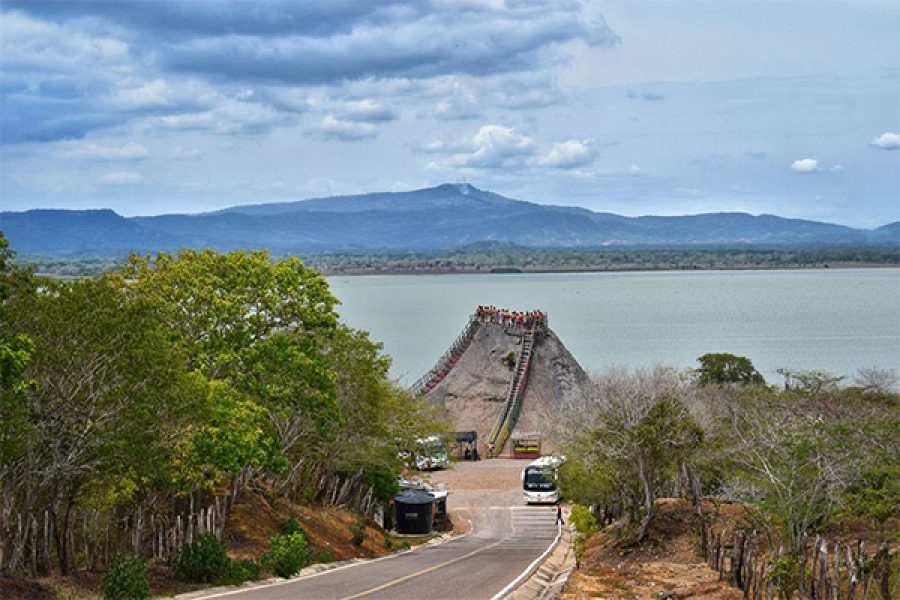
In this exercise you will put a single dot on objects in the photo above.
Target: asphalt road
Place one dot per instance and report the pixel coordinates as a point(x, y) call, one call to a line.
point(506, 538)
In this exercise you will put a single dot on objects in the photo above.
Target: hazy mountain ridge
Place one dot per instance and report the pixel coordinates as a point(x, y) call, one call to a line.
point(440, 218)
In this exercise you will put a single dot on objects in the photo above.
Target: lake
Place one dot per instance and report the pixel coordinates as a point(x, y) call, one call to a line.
point(831, 320)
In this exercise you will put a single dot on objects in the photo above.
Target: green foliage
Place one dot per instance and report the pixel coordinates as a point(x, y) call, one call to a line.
point(323, 555)
point(178, 373)
point(393, 544)
point(290, 525)
point(358, 531)
point(587, 483)
point(126, 579)
point(784, 573)
point(203, 561)
point(287, 554)
point(510, 359)
point(223, 304)
point(241, 570)
point(583, 519)
point(515, 259)
point(725, 369)
point(875, 496)
point(233, 435)
point(586, 524)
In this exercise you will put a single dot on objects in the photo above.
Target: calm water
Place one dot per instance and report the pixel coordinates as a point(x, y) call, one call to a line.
point(831, 320)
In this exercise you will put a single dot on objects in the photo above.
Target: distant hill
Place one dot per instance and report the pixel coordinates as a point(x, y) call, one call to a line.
point(445, 217)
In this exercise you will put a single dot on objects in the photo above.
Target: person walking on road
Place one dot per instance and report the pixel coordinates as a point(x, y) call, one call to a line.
point(559, 519)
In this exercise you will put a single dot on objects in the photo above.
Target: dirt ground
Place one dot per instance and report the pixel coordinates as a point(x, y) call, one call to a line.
point(666, 563)
point(254, 522)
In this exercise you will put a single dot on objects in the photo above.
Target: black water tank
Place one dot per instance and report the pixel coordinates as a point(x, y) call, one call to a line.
point(415, 512)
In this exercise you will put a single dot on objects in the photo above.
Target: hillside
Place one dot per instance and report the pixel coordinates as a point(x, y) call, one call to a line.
point(444, 217)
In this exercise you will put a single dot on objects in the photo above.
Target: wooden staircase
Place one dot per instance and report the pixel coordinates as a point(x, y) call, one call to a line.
point(445, 363)
point(509, 414)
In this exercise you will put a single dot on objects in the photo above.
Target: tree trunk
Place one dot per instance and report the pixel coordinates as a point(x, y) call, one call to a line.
point(649, 501)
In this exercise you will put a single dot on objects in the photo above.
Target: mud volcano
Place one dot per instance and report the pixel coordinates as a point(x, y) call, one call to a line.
point(503, 375)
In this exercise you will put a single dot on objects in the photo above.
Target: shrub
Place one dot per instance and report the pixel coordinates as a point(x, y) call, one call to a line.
point(358, 531)
point(323, 555)
point(203, 561)
point(586, 524)
point(290, 525)
point(393, 544)
point(242, 570)
point(126, 579)
point(287, 554)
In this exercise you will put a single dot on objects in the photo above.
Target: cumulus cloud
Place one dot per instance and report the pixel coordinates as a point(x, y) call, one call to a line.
point(120, 177)
point(332, 128)
point(129, 151)
point(495, 147)
point(805, 165)
point(887, 141)
point(568, 155)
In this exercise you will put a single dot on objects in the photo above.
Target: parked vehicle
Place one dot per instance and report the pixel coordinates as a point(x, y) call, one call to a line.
point(540, 480)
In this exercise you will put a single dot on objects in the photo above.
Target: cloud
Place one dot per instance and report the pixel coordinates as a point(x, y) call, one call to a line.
point(229, 116)
point(73, 67)
point(332, 128)
point(366, 111)
point(329, 41)
point(496, 147)
point(569, 155)
point(459, 104)
point(836, 168)
point(129, 151)
point(120, 177)
point(887, 141)
point(805, 165)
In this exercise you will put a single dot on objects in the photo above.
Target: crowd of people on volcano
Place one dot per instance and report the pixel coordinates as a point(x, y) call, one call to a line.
point(509, 318)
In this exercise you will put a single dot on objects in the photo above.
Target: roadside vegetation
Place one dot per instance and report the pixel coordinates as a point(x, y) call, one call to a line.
point(137, 408)
point(509, 258)
point(819, 457)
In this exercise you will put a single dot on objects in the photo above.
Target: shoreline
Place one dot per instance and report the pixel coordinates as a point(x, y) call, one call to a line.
point(602, 269)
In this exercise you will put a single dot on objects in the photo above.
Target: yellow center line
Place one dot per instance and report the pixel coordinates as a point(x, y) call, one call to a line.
point(394, 582)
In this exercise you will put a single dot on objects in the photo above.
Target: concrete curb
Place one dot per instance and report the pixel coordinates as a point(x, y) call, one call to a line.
point(311, 571)
point(550, 577)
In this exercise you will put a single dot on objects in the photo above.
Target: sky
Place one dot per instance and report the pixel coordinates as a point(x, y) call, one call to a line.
point(789, 107)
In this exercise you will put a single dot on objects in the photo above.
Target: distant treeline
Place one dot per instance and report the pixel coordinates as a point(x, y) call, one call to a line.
point(502, 259)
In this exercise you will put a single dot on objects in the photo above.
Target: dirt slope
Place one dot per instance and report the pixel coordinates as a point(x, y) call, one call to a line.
point(666, 563)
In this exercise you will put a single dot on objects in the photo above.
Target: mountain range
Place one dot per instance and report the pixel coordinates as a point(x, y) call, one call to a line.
point(441, 218)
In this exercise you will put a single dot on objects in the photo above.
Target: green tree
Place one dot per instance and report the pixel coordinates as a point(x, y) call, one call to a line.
point(258, 327)
point(627, 440)
point(223, 304)
point(107, 396)
point(727, 369)
point(230, 434)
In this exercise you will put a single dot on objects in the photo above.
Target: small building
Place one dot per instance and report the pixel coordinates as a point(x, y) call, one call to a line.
point(414, 512)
